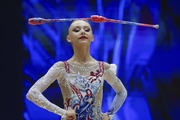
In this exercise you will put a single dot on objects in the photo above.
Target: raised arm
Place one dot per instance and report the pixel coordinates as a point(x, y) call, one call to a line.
point(116, 84)
point(35, 93)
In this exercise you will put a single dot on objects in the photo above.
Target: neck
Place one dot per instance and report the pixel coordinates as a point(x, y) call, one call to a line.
point(82, 55)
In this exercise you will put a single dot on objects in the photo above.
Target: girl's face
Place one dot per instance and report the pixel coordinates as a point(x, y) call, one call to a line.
point(80, 32)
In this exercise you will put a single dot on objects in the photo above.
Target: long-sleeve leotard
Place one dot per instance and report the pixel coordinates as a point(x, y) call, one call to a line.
point(81, 88)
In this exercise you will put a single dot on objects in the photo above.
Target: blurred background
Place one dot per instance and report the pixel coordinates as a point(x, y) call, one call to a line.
point(148, 59)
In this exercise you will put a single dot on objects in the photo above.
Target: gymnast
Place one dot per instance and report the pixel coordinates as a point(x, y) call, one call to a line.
point(81, 80)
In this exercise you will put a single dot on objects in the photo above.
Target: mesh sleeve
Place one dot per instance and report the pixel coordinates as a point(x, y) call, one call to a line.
point(116, 84)
point(35, 93)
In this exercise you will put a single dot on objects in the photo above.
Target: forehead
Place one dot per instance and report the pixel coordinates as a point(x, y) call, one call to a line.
point(79, 23)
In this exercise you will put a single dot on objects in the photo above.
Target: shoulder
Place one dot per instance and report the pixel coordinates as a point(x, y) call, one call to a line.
point(59, 64)
point(106, 65)
point(110, 67)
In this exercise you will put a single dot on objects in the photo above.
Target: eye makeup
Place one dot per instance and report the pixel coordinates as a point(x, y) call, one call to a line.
point(77, 29)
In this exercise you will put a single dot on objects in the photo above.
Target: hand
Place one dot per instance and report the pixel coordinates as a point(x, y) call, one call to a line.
point(105, 116)
point(70, 115)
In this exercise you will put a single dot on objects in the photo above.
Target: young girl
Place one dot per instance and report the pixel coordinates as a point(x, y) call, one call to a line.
point(81, 81)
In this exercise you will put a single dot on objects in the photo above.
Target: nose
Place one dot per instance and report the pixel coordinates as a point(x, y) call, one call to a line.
point(82, 32)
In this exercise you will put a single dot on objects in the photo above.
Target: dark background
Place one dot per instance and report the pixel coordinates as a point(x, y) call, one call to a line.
point(11, 87)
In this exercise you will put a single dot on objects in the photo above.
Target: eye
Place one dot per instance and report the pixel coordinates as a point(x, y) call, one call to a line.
point(76, 29)
point(87, 29)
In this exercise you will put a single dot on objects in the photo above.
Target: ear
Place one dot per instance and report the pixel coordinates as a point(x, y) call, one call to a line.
point(92, 38)
point(68, 38)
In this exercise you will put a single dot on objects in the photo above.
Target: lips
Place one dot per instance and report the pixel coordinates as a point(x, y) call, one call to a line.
point(83, 37)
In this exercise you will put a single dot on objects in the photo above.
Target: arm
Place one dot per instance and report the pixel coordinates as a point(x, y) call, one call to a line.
point(115, 82)
point(35, 93)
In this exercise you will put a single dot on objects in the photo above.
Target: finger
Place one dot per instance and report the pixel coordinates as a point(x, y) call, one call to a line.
point(74, 117)
point(70, 118)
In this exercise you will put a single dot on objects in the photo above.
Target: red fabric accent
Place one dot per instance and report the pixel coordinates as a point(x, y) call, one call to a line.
point(66, 64)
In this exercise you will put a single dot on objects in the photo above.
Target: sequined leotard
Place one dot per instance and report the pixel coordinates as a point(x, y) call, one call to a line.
point(81, 89)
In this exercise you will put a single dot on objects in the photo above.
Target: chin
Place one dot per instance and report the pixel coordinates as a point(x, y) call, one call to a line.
point(84, 42)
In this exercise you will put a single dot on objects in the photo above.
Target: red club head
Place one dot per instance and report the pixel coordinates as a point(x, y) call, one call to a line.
point(31, 21)
point(97, 18)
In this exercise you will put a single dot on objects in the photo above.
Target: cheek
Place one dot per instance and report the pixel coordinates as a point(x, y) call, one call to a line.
point(75, 35)
point(91, 37)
